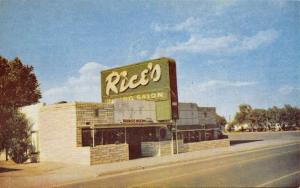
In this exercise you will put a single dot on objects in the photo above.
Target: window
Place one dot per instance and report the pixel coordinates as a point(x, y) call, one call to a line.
point(86, 135)
point(149, 134)
point(113, 136)
point(97, 112)
point(163, 133)
point(205, 114)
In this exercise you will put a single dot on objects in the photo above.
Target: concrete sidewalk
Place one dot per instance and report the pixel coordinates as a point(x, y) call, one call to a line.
point(57, 174)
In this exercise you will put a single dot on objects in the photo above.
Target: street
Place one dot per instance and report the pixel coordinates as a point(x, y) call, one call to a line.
point(278, 166)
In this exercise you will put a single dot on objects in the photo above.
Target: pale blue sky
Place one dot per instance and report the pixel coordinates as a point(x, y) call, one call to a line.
point(227, 52)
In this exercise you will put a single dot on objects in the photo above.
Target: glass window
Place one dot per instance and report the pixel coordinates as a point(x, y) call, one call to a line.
point(149, 134)
point(87, 139)
point(113, 136)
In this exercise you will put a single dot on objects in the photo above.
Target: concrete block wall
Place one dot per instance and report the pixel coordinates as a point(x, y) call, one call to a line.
point(32, 114)
point(109, 153)
point(150, 149)
point(207, 115)
point(197, 146)
point(87, 116)
point(188, 114)
point(160, 148)
point(191, 114)
point(166, 148)
point(181, 148)
point(58, 135)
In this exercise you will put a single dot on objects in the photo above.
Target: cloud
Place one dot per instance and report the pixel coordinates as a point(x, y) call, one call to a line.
point(215, 45)
point(261, 38)
point(182, 26)
point(193, 90)
point(220, 84)
point(218, 61)
point(226, 95)
point(85, 87)
point(288, 89)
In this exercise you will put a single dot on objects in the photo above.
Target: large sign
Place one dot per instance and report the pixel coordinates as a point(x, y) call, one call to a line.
point(150, 80)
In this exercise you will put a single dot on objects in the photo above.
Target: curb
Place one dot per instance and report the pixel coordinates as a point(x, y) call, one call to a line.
point(188, 161)
point(174, 163)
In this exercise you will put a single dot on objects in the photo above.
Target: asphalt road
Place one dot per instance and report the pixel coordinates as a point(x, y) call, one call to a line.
point(278, 167)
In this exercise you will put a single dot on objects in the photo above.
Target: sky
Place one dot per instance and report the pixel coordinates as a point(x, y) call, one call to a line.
point(227, 52)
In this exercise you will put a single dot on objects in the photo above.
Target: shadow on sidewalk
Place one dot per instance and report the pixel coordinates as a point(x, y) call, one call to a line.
point(234, 142)
point(3, 170)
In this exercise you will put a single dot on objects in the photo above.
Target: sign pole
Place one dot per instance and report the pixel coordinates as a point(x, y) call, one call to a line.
point(176, 137)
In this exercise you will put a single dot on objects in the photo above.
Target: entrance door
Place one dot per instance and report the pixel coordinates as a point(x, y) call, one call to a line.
point(134, 138)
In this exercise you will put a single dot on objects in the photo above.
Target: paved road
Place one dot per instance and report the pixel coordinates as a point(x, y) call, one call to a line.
point(278, 166)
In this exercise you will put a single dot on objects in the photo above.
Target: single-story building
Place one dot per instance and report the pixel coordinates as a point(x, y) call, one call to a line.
point(95, 133)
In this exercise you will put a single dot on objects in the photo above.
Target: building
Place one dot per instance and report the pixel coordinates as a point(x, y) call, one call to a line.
point(140, 117)
point(96, 133)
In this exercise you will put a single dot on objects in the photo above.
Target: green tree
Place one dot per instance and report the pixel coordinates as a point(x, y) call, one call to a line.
point(221, 121)
point(18, 87)
point(258, 119)
point(18, 142)
point(243, 116)
point(18, 84)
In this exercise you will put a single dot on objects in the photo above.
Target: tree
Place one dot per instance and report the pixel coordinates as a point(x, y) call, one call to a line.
point(18, 87)
point(18, 84)
point(258, 119)
point(17, 137)
point(221, 121)
point(243, 116)
point(286, 118)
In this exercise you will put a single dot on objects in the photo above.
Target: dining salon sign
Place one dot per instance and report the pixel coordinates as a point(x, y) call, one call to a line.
point(149, 80)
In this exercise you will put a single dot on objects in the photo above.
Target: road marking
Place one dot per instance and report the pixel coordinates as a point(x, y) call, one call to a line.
point(212, 168)
point(277, 179)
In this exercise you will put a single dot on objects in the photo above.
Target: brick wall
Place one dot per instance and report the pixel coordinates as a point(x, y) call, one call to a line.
point(109, 153)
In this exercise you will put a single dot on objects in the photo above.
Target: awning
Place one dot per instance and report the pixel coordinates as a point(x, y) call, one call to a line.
point(106, 126)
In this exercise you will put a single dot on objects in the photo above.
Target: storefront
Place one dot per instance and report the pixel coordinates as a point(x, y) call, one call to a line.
point(139, 117)
point(132, 134)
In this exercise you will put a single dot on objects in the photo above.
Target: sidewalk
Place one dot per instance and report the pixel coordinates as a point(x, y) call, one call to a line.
point(55, 174)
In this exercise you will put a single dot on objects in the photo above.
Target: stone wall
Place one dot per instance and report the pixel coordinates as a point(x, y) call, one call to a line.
point(153, 149)
point(109, 153)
